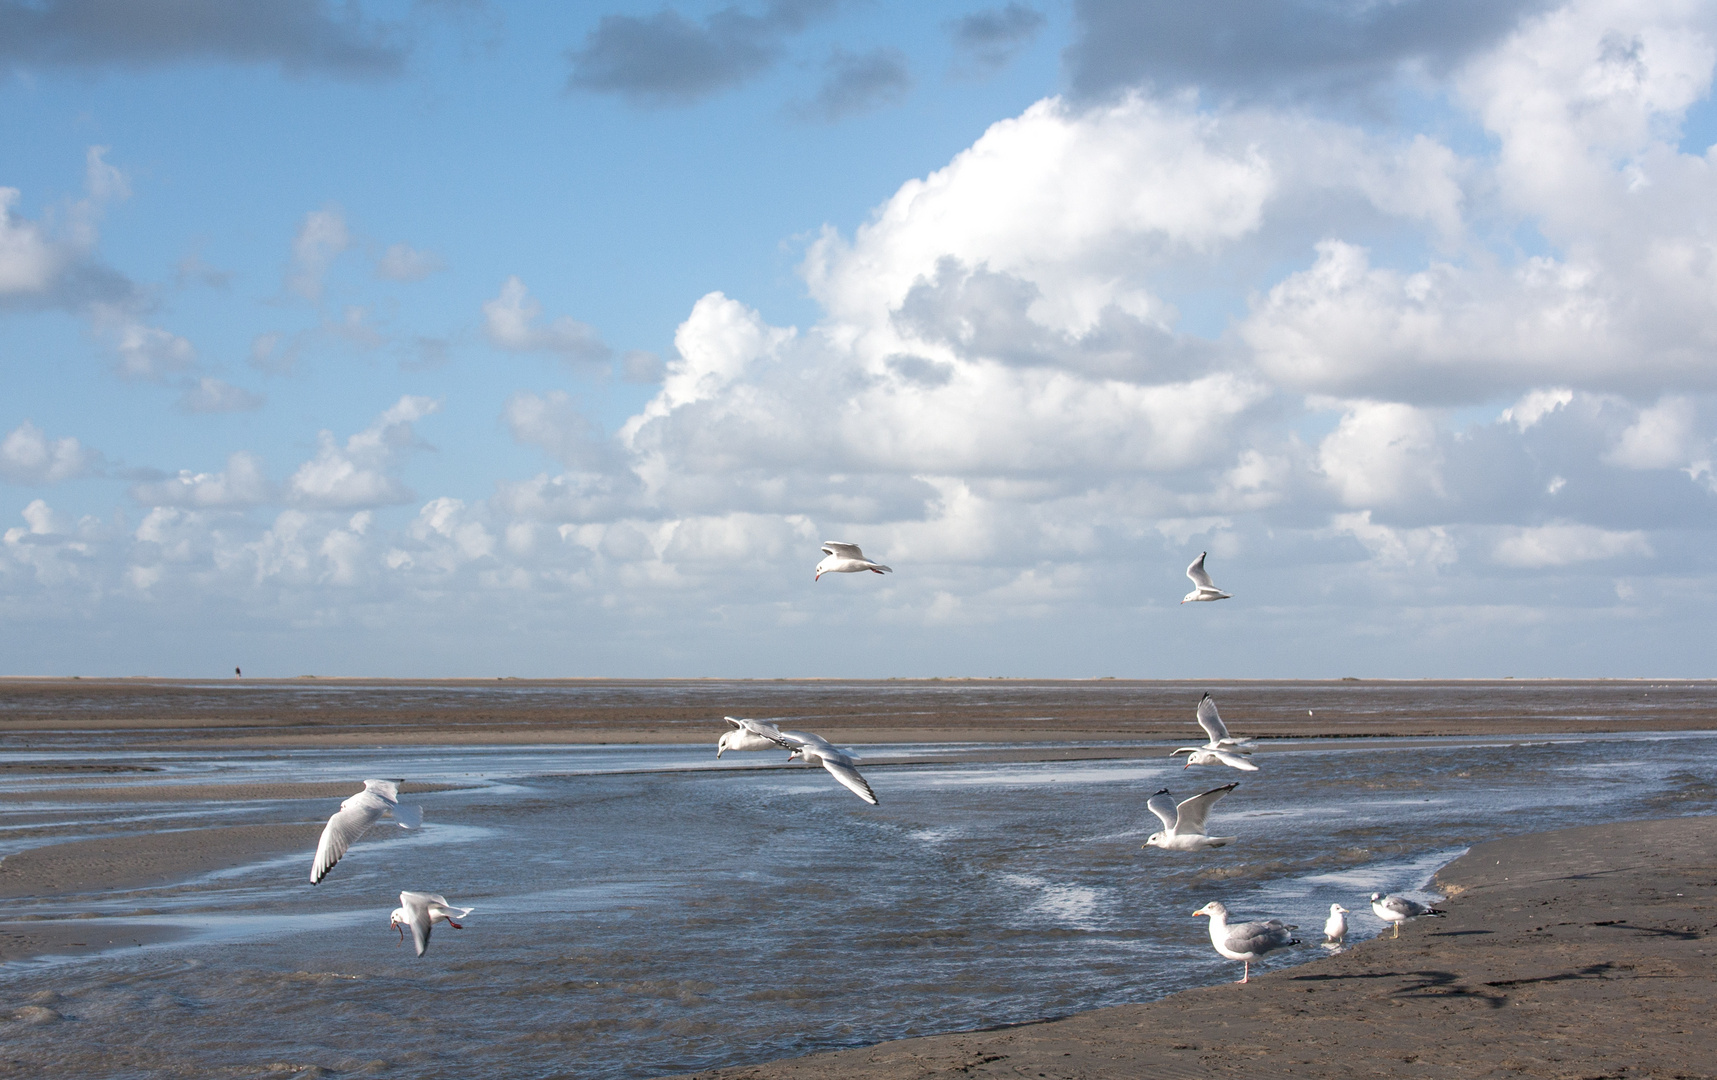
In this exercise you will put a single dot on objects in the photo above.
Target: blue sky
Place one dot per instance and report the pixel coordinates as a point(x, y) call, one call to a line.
point(470, 339)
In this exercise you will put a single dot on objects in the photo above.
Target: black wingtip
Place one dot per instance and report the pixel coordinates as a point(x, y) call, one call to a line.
point(1160, 791)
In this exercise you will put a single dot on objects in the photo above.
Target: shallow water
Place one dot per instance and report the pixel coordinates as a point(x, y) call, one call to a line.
point(644, 910)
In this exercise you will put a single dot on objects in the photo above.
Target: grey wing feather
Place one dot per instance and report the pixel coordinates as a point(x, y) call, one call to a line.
point(1191, 814)
point(1162, 805)
point(1403, 906)
point(850, 777)
point(1211, 720)
point(343, 829)
point(1259, 937)
point(844, 550)
point(1197, 574)
point(387, 789)
point(420, 929)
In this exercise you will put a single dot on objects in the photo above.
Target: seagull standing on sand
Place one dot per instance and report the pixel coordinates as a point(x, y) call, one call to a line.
point(842, 558)
point(379, 799)
point(1202, 589)
point(421, 911)
point(1184, 822)
point(1398, 909)
point(748, 735)
point(1335, 928)
point(1247, 941)
point(817, 750)
point(1220, 748)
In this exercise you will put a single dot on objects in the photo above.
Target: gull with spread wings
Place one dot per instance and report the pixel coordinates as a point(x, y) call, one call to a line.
point(1220, 748)
point(816, 750)
point(1202, 588)
point(379, 799)
point(1183, 823)
point(747, 735)
point(421, 911)
point(842, 558)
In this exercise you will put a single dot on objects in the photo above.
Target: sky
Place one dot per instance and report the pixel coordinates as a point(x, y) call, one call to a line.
point(457, 338)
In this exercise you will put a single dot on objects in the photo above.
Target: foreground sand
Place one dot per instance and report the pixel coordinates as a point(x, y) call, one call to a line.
point(1581, 953)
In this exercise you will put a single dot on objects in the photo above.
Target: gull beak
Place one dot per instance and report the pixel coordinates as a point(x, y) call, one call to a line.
point(1201, 911)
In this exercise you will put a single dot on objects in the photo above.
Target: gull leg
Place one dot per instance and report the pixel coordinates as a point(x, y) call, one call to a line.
point(1397, 929)
point(455, 925)
point(1246, 970)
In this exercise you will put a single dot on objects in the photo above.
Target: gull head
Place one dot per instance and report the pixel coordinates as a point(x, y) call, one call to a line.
point(1213, 909)
point(1337, 909)
point(1155, 839)
point(721, 743)
point(1376, 897)
point(397, 921)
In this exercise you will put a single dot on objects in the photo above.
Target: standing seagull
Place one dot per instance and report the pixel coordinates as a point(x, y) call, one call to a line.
point(1247, 941)
point(819, 751)
point(846, 559)
point(1202, 588)
point(1184, 823)
point(747, 735)
point(421, 911)
point(379, 799)
point(1398, 909)
point(1219, 748)
point(1335, 928)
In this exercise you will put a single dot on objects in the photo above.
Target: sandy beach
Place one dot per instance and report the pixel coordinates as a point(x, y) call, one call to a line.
point(1579, 953)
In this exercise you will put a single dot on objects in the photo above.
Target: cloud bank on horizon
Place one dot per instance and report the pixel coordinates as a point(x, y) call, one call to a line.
point(1410, 319)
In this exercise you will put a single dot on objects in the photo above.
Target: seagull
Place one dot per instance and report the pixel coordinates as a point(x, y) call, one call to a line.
point(379, 799)
point(1184, 823)
point(421, 911)
point(846, 559)
point(747, 735)
point(1335, 928)
point(1247, 941)
point(1221, 748)
point(818, 750)
point(1202, 588)
point(1398, 909)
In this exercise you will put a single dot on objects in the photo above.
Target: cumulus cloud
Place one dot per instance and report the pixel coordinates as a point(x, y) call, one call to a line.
point(28, 456)
point(296, 35)
point(511, 322)
point(858, 82)
point(989, 39)
point(1564, 544)
point(55, 266)
point(358, 473)
point(402, 262)
point(668, 59)
point(1665, 436)
point(322, 236)
point(209, 395)
point(241, 484)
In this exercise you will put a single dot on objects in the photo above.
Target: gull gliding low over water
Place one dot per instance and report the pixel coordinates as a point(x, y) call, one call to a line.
point(1202, 588)
point(842, 558)
point(1398, 909)
point(421, 911)
point(379, 799)
point(1220, 748)
point(819, 751)
point(1247, 941)
point(1184, 822)
point(748, 735)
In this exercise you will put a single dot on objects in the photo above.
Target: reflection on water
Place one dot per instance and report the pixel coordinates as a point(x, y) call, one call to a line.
point(640, 912)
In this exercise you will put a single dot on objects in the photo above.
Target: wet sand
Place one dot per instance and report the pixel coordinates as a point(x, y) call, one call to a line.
point(48, 713)
point(1580, 953)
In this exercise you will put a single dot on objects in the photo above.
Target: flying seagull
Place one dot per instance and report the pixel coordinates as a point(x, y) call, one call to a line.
point(1202, 588)
point(1247, 941)
point(842, 558)
point(817, 750)
point(1184, 822)
point(1219, 748)
point(379, 799)
point(421, 911)
point(1398, 909)
point(747, 735)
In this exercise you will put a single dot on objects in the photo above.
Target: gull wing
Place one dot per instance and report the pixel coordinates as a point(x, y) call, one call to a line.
point(1259, 937)
point(1197, 574)
point(842, 550)
point(355, 815)
point(1233, 761)
point(387, 789)
point(1191, 814)
point(1400, 905)
point(1162, 805)
point(758, 727)
point(849, 778)
point(1211, 720)
point(734, 723)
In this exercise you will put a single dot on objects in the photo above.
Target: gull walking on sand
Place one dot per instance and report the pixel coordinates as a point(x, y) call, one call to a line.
point(1398, 909)
point(1335, 927)
point(1202, 589)
point(421, 911)
point(1220, 748)
point(1247, 941)
point(1184, 822)
point(379, 799)
point(816, 750)
point(748, 735)
point(842, 558)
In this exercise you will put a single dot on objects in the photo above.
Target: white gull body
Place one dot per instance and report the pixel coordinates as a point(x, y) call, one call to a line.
point(817, 750)
point(841, 558)
point(1335, 927)
point(1247, 941)
point(1202, 589)
point(1184, 823)
point(1398, 909)
point(1219, 748)
point(379, 799)
point(421, 911)
point(748, 735)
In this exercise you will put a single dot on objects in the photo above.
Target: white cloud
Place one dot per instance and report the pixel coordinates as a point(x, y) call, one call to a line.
point(29, 261)
point(321, 238)
point(242, 484)
point(208, 395)
point(402, 262)
point(358, 473)
point(1383, 454)
point(28, 456)
point(510, 321)
point(143, 351)
point(1664, 436)
point(1530, 410)
point(1428, 547)
point(1564, 544)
